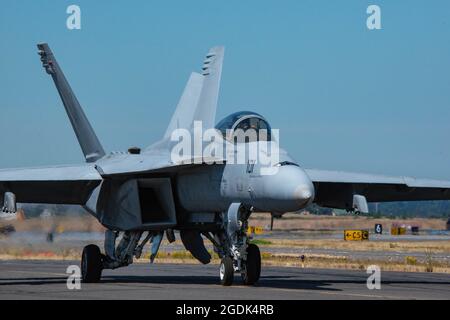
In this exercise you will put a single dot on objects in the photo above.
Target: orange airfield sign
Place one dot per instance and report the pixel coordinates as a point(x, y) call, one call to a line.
point(356, 235)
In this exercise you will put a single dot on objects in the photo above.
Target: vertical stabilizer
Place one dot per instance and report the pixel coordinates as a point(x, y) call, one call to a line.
point(184, 114)
point(211, 70)
point(89, 142)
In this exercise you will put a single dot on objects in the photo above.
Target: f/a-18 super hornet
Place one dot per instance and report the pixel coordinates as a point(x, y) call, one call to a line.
point(142, 196)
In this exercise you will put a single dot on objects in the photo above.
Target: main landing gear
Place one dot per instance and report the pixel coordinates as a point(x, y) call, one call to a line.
point(232, 245)
point(91, 264)
point(93, 261)
point(230, 241)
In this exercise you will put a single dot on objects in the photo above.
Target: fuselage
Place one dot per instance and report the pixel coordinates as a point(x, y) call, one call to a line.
point(251, 170)
point(285, 187)
point(255, 170)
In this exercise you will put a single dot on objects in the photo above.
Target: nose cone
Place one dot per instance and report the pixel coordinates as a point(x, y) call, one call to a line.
point(288, 189)
point(303, 193)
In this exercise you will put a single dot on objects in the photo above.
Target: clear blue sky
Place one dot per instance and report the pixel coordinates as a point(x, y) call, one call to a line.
point(342, 96)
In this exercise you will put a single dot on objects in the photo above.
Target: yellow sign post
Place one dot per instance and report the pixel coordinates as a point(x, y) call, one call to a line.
point(356, 235)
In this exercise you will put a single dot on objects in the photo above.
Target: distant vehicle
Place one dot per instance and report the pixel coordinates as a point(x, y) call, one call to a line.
point(141, 196)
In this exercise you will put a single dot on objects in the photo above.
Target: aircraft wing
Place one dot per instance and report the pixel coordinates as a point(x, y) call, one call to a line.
point(336, 188)
point(143, 165)
point(57, 184)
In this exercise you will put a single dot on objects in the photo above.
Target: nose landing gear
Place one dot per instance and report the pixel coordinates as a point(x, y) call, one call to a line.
point(226, 271)
point(252, 269)
point(232, 245)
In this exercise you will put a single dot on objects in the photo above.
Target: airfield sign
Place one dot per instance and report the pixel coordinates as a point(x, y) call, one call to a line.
point(255, 230)
point(378, 228)
point(356, 235)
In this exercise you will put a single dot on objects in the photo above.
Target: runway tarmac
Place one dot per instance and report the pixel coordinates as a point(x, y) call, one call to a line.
point(47, 280)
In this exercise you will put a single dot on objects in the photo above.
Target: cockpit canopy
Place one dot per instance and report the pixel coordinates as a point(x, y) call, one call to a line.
point(245, 120)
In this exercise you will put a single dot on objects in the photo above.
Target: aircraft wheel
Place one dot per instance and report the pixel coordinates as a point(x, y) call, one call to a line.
point(252, 266)
point(226, 271)
point(91, 264)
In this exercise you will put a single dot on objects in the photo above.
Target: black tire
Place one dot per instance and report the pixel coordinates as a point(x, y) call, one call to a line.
point(91, 264)
point(226, 271)
point(252, 265)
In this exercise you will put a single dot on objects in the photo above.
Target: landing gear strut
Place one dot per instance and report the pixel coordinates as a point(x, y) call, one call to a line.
point(116, 256)
point(232, 245)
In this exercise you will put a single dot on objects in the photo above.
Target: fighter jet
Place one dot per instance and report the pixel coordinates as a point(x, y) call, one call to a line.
point(140, 196)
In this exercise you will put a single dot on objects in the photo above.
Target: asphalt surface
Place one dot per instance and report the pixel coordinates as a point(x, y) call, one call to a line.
point(48, 280)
